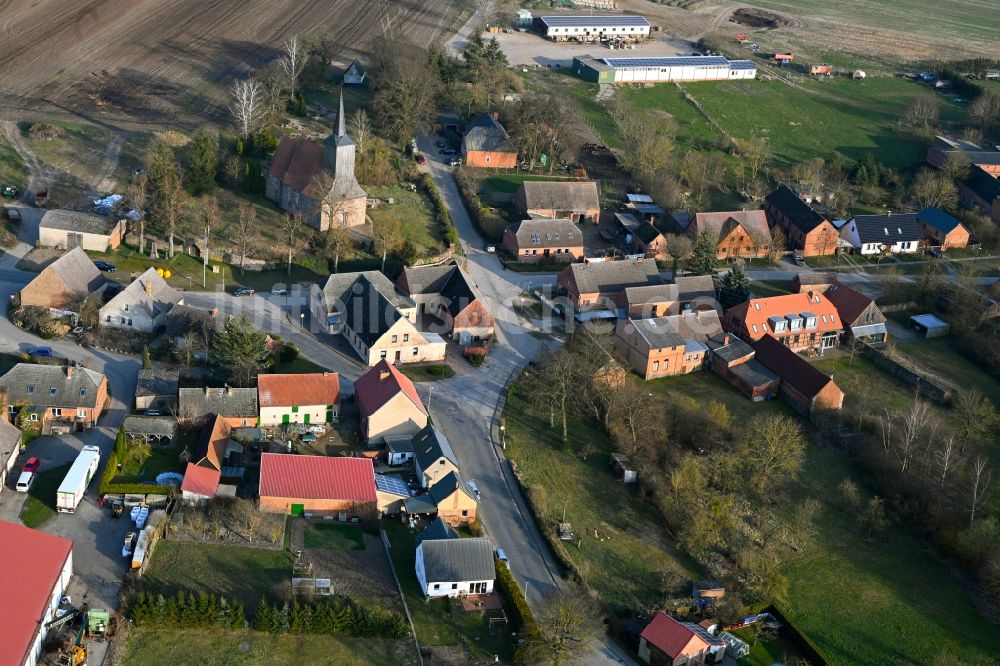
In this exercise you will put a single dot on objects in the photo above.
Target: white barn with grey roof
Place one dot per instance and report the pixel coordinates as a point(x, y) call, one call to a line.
point(591, 27)
point(663, 69)
point(454, 567)
point(66, 229)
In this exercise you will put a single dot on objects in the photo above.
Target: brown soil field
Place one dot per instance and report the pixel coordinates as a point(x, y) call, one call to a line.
point(177, 57)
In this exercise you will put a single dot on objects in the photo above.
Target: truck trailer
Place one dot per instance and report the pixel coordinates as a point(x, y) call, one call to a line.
point(77, 479)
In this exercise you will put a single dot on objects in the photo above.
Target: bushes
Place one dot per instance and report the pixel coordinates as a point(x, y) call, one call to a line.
point(38, 320)
point(449, 231)
point(337, 616)
point(523, 618)
point(490, 226)
point(189, 611)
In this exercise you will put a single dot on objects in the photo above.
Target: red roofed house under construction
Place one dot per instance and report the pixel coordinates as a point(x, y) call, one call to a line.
point(668, 642)
point(317, 484)
point(388, 403)
point(37, 569)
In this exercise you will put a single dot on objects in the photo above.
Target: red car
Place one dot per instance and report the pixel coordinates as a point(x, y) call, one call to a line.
point(421, 159)
point(32, 465)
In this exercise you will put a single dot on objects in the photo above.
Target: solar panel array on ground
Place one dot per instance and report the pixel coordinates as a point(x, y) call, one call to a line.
point(582, 21)
point(680, 61)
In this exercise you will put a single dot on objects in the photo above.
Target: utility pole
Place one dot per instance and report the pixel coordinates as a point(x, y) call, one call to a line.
point(204, 263)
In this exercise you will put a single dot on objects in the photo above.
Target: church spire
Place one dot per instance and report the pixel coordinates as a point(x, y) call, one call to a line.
point(341, 125)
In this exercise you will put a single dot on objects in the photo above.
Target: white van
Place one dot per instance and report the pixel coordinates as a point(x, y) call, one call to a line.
point(24, 481)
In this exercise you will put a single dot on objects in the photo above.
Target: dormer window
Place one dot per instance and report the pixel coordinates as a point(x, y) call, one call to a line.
point(30, 389)
point(52, 390)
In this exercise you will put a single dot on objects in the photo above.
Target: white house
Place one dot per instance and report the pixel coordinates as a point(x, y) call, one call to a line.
point(454, 567)
point(39, 569)
point(302, 398)
point(897, 233)
point(142, 306)
point(67, 229)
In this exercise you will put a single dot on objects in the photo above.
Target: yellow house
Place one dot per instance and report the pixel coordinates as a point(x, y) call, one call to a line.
point(388, 403)
point(433, 456)
point(455, 501)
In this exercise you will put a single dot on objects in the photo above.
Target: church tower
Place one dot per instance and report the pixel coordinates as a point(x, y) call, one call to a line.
point(338, 149)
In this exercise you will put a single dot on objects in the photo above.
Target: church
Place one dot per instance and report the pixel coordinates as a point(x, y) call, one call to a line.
point(318, 180)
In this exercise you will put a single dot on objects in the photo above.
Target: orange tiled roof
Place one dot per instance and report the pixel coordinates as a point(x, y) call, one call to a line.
point(316, 388)
point(758, 311)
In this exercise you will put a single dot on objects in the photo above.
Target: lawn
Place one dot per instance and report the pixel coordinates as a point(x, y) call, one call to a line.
point(628, 561)
point(12, 168)
point(236, 572)
point(941, 355)
point(413, 213)
point(252, 648)
point(435, 621)
point(161, 459)
point(331, 537)
point(765, 653)
point(301, 365)
point(428, 373)
point(705, 387)
point(78, 153)
point(836, 118)
point(766, 288)
point(40, 506)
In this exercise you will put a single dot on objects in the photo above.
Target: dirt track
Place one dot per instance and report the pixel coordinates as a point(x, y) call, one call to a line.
point(184, 51)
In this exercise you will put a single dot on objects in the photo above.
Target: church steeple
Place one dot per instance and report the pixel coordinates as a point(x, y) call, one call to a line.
point(338, 149)
point(341, 124)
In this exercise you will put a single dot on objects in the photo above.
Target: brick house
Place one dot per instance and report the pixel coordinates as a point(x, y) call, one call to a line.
point(669, 642)
point(640, 236)
point(742, 233)
point(594, 285)
point(452, 298)
point(805, 388)
point(388, 403)
point(487, 144)
point(317, 484)
point(981, 190)
point(63, 284)
point(543, 238)
point(67, 229)
point(666, 346)
point(802, 322)
point(733, 360)
point(52, 397)
point(803, 227)
point(941, 229)
point(574, 200)
point(204, 472)
point(859, 315)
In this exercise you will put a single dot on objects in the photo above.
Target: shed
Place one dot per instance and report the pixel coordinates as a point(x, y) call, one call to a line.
point(624, 471)
point(930, 326)
point(152, 429)
point(355, 74)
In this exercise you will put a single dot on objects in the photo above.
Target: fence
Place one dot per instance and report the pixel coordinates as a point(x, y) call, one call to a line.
point(926, 386)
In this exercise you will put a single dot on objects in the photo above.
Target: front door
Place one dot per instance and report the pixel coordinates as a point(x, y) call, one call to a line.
point(305, 419)
point(298, 509)
point(396, 355)
point(285, 418)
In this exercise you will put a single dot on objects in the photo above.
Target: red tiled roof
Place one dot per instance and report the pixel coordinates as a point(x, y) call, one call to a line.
point(316, 477)
point(850, 304)
point(372, 391)
point(672, 637)
point(317, 388)
point(759, 310)
point(296, 163)
point(212, 443)
point(793, 370)
point(201, 480)
point(33, 561)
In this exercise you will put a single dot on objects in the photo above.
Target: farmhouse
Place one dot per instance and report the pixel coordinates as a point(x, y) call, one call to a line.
point(595, 285)
point(577, 201)
point(238, 406)
point(897, 233)
point(388, 403)
point(662, 69)
point(67, 229)
point(64, 284)
point(142, 306)
point(38, 572)
point(942, 229)
point(433, 456)
point(156, 388)
point(653, 301)
point(299, 398)
point(802, 322)
point(639, 236)
point(565, 27)
point(666, 346)
point(329, 303)
point(666, 641)
point(318, 485)
point(742, 233)
point(318, 181)
point(450, 296)
point(804, 228)
point(487, 144)
point(859, 315)
point(455, 502)
point(733, 360)
point(981, 190)
point(539, 239)
point(453, 567)
point(54, 397)
point(803, 386)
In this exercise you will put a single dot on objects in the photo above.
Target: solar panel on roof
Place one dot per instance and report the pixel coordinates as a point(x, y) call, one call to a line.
point(679, 61)
point(561, 21)
point(742, 64)
point(391, 484)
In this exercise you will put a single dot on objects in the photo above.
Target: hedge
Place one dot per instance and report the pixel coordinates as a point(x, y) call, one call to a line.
point(799, 639)
point(335, 615)
point(187, 610)
point(108, 487)
point(522, 617)
point(440, 210)
point(474, 205)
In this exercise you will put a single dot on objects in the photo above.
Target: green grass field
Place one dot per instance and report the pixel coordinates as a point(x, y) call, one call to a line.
point(252, 648)
point(413, 212)
point(342, 537)
point(627, 561)
point(40, 506)
point(839, 117)
point(12, 169)
point(428, 373)
point(236, 572)
point(161, 459)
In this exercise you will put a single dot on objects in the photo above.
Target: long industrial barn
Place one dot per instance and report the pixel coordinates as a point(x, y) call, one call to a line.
point(653, 70)
point(590, 28)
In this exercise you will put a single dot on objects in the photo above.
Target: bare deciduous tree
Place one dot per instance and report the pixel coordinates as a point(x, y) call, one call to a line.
point(338, 244)
point(173, 197)
point(678, 246)
point(248, 105)
point(566, 626)
point(243, 229)
point(293, 62)
point(648, 140)
point(915, 423)
point(137, 199)
point(756, 152)
point(559, 378)
point(931, 188)
point(946, 456)
point(361, 131)
point(979, 477)
point(387, 237)
point(291, 226)
point(773, 449)
point(210, 217)
point(923, 112)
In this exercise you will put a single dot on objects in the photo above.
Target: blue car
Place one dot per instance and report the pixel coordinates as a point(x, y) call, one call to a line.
point(45, 352)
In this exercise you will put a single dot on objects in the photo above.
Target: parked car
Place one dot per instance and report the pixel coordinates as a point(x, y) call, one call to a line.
point(45, 352)
point(280, 291)
point(502, 558)
point(24, 482)
point(474, 488)
point(153, 412)
point(242, 291)
point(105, 266)
point(31, 465)
point(421, 159)
point(490, 247)
point(455, 161)
point(449, 152)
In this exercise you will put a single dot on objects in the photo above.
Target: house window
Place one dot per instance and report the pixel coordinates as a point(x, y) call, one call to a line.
point(394, 338)
point(52, 390)
point(755, 328)
point(454, 586)
point(656, 366)
point(415, 350)
point(33, 417)
point(11, 409)
point(126, 307)
point(437, 586)
point(381, 354)
point(108, 320)
point(81, 413)
point(31, 389)
point(295, 410)
point(487, 158)
point(465, 514)
point(83, 392)
point(57, 411)
point(406, 337)
point(121, 320)
point(129, 322)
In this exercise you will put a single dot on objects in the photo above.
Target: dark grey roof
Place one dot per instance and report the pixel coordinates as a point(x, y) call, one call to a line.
point(74, 220)
point(543, 232)
point(458, 560)
point(10, 436)
point(677, 330)
point(451, 282)
point(354, 68)
point(795, 209)
point(427, 279)
point(733, 350)
point(368, 312)
point(646, 232)
point(753, 373)
point(888, 229)
point(614, 275)
point(444, 487)
point(691, 287)
point(161, 426)
point(430, 444)
point(483, 132)
point(49, 385)
point(156, 382)
point(561, 195)
point(230, 402)
point(742, 64)
point(78, 271)
point(136, 297)
point(613, 20)
point(657, 332)
point(983, 184)
point(399, 444)
point(437, 530)
point(339, 286)
point(938, 219)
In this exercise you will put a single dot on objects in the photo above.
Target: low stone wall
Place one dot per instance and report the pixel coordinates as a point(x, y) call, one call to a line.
point(934, 390)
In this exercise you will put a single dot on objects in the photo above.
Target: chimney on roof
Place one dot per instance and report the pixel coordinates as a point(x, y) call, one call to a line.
point(383, 375)
point(229, 389)
point(725, 339)
point(206, 390)
point(495, 115)
point(149, 287)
